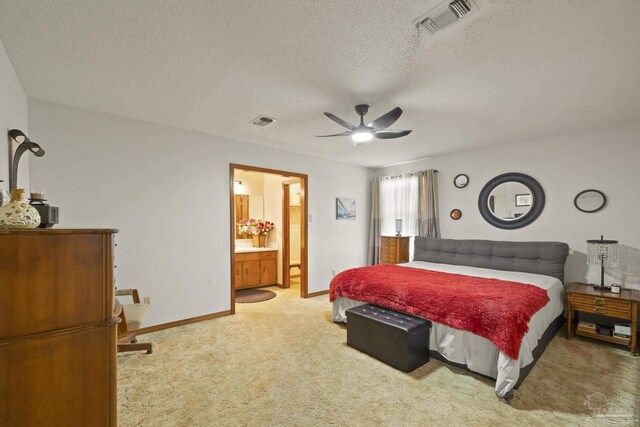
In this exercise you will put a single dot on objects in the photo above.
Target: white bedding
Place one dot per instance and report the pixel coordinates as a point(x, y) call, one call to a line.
point(476, 352)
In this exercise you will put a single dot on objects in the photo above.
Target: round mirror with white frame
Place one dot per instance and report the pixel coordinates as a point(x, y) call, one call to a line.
point(512, 200)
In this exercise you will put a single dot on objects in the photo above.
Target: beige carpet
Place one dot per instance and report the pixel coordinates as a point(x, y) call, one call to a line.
point(283, 362)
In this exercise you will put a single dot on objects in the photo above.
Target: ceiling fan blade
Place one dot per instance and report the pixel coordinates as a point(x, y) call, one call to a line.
point(339, 121)
point(386, 120)
point(345, 133)
point(390, 134)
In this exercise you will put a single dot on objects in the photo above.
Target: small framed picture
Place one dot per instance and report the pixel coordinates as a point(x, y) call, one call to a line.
point(523, 199)
point(345, 208)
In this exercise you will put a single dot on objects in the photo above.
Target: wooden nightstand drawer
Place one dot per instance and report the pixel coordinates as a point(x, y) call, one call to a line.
point(601, 302)
point(605, 311)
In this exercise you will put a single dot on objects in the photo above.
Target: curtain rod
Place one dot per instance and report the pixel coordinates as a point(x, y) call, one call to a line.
point(409, 173)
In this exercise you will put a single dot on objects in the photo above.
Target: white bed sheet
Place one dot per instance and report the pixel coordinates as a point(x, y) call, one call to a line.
point(476, 352)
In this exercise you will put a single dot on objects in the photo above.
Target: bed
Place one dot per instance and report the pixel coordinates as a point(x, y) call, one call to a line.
point(536, 263)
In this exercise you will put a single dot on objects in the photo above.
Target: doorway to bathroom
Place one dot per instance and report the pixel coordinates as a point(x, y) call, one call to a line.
point(268, 229)
point(291, 232)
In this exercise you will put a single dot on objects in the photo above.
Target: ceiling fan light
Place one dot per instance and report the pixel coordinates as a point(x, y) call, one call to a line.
point(362, 136)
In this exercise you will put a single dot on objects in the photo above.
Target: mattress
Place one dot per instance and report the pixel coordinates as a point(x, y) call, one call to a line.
point(477, 353)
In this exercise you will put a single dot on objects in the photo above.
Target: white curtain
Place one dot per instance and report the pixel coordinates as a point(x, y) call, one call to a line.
point(399, 200)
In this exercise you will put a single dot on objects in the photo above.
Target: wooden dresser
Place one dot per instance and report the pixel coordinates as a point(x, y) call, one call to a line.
point(394, 249)
point(57, 329)
point(255, 269)
point(624, 306)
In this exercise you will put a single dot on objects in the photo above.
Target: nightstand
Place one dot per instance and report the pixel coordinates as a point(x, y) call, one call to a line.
point(583, 298)
point(394, 249)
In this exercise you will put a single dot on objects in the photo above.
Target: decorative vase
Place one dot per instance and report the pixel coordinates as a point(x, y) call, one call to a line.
point(259, 241)
point(17, 213)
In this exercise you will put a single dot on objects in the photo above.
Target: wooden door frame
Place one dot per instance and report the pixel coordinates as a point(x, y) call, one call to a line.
point(304, 205)
point(286, 231)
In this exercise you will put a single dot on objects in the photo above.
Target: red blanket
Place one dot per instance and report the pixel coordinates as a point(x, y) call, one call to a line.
point(497, 310)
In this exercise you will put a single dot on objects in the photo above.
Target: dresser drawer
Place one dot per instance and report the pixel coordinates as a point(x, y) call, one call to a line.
point(388, 249)
point(387, 256)
point(388, 243)
point(601, 302)
point(604, 310)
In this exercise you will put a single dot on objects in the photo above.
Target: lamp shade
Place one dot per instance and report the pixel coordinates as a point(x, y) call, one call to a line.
point(602, 252)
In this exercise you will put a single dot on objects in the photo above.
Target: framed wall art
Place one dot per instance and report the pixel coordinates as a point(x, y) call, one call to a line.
point(523, 199)
point(345, 208)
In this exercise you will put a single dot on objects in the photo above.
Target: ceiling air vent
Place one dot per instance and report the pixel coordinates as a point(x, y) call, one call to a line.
point(445, 14)
point(263, 121)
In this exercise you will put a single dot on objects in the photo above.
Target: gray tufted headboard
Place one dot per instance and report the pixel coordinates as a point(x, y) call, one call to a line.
point(546, 258)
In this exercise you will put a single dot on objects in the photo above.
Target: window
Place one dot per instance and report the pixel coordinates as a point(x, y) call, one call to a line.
point(399, 200)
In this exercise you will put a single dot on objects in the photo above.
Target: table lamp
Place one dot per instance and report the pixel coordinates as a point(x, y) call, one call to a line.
point(604, 253)
point(398, 227)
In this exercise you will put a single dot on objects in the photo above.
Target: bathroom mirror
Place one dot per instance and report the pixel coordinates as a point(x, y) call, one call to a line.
point(246, 207)
point(511, 200)
point(256, 207)
point(461, 180)
point(590, 201)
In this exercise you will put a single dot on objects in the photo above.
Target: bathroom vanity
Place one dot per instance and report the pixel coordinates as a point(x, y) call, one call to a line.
point(255, 267)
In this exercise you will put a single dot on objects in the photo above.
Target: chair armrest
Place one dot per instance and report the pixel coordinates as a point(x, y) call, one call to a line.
point(133, 292)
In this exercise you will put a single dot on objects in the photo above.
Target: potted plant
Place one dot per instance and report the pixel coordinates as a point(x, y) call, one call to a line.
point(258, 229)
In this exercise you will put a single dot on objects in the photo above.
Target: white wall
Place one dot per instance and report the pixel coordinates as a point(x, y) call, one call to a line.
point(605, 158)
point(167, 191)
point(13, 115)
point(253, 182)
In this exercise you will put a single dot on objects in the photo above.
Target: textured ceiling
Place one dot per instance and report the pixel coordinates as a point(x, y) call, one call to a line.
point(512, 71)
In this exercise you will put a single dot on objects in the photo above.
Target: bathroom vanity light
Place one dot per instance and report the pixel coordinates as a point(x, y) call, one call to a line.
point(238, 187)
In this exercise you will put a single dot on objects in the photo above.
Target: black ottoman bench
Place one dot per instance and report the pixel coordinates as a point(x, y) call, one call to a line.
point(397, 339)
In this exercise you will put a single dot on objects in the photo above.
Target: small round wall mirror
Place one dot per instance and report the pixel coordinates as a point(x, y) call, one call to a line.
point(461, 180)
point(511, 200)
point(590, 201)
point(455, 214)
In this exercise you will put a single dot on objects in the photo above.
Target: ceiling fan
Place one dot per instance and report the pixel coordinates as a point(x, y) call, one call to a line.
point(364, 133)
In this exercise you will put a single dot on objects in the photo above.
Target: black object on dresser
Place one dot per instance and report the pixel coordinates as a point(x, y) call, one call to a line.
point(48, 214)
point(397, 339)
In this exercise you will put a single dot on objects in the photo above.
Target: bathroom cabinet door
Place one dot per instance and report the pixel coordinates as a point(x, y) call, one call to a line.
point(251, 273)
point(239, 283)
point(269, 272)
